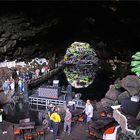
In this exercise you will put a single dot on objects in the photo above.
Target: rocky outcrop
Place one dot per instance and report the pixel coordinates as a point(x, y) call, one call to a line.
point(112, 93)
point(17, 36)
point(123, 95)
point(127, 87)
point(131, 83)
point(106, 102)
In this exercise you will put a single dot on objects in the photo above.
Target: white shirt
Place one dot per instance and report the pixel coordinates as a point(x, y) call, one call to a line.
point(12, 86)
point(43, 70)
point(89, 110)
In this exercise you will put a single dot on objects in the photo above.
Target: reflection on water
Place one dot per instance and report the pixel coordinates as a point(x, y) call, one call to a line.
point(80, 76)
point(22, 110)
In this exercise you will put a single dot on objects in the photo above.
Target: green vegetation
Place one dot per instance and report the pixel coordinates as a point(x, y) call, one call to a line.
point(76, 49)
point(135, 63)
point(79, 59)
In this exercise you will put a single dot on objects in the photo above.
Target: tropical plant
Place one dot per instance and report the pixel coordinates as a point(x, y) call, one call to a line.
point(135, 63)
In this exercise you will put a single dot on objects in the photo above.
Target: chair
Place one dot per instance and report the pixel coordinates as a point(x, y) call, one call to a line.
point(111, 133)
point(28, 136)
point(40, 132)
point(16, 131)
point(81, 119)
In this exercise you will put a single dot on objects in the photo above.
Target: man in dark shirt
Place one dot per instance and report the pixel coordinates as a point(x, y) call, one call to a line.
point(69, 89)
point(51, 109)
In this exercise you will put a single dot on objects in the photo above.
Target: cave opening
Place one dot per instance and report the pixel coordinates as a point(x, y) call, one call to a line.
point(81, 64)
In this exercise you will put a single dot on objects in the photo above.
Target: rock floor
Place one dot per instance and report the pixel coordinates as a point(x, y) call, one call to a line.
point(78, 133)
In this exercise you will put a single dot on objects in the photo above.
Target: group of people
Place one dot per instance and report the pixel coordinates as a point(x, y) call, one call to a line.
point(44, 70)
point(40, 71)
point(23, 76)
point(8, 85)
point(55, 118)
point(32, 73)
point(28, 75)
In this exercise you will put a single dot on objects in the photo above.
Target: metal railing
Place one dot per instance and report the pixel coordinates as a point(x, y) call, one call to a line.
point(79, 104)
point(34, 100)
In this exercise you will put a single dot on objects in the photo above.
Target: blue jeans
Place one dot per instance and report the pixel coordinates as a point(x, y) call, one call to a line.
point(55, 130)
point(50, 123)
point(67, 125)
point(88, 119)
point(6, 92)
point(20, 89)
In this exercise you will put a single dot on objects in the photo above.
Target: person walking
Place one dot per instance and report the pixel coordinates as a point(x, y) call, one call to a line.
point(88, 111)
point(67, 121)
point(55, 117)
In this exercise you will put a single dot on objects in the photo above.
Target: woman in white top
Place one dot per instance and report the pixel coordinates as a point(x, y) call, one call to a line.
point(12, 84)
point(88, 111)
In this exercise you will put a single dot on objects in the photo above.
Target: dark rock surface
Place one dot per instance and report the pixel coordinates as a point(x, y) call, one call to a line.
point(43, 29)
point(112, 93)
point(18, 36)
point(129, 86)
point(131, 83)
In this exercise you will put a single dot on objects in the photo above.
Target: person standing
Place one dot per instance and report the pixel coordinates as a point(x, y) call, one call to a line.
point(55, 117)
point(1, 110)
point(69, 89)
point(43, 70)
point(67, 121)
point(37, 71)
point(2, 124)
point(6, 86)
point(88, 111)
point(20, 86)
point(12, 84)
point(51, 108)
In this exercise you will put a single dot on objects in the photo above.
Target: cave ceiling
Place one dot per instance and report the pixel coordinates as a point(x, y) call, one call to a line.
point(41, 29)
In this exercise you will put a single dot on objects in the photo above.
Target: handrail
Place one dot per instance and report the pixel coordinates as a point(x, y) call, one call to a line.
point(44, 101)
point(42, 77)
